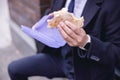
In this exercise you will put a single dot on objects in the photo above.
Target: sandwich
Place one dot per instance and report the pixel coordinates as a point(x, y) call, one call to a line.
point(64, 15)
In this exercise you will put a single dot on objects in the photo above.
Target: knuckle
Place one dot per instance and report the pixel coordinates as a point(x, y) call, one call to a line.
point(69, 32)
point(75, 29)
point(66, 37)
point(75, 43)
point(70, 44)
point(78, 40)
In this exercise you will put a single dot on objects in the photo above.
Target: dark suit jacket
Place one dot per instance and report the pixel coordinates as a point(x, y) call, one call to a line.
point(102, 23)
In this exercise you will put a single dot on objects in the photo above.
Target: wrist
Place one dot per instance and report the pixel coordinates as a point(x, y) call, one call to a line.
point(86, 43)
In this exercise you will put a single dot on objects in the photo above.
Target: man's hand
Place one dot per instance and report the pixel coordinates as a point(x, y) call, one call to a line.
point(73, 34)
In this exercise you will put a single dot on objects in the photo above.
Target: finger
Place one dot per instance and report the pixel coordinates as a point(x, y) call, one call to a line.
point(70, 25)
point(66, 37)
point(73, 27)
point(68, 30)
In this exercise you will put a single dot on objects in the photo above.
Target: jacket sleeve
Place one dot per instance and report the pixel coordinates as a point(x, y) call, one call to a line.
point(107, 51)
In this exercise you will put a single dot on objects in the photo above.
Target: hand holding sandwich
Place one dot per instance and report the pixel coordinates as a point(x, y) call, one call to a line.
point(73, 34)
point(70, 27)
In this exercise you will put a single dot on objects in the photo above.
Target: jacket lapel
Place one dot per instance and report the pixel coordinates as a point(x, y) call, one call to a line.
point(58, 4)
point(91, 8)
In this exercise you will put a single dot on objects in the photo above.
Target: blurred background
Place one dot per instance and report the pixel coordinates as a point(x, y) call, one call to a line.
point(14, 44)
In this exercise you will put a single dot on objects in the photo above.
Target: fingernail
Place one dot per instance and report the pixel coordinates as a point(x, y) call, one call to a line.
point(66, 22)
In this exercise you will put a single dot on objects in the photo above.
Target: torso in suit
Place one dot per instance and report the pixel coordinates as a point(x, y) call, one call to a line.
point(102, 23)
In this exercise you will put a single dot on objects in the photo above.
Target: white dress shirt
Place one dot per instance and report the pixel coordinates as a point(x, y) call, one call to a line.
point(78, 9)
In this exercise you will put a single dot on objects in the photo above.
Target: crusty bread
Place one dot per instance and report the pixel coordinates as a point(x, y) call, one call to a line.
point(63, 15)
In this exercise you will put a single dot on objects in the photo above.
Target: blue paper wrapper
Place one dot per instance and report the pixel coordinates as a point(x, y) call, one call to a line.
point(41, 32)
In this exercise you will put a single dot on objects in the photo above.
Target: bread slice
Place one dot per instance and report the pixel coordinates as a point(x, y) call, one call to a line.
point(64, 15)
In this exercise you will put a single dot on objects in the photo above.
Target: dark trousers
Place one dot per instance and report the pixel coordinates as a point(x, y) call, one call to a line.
point(48, 65)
